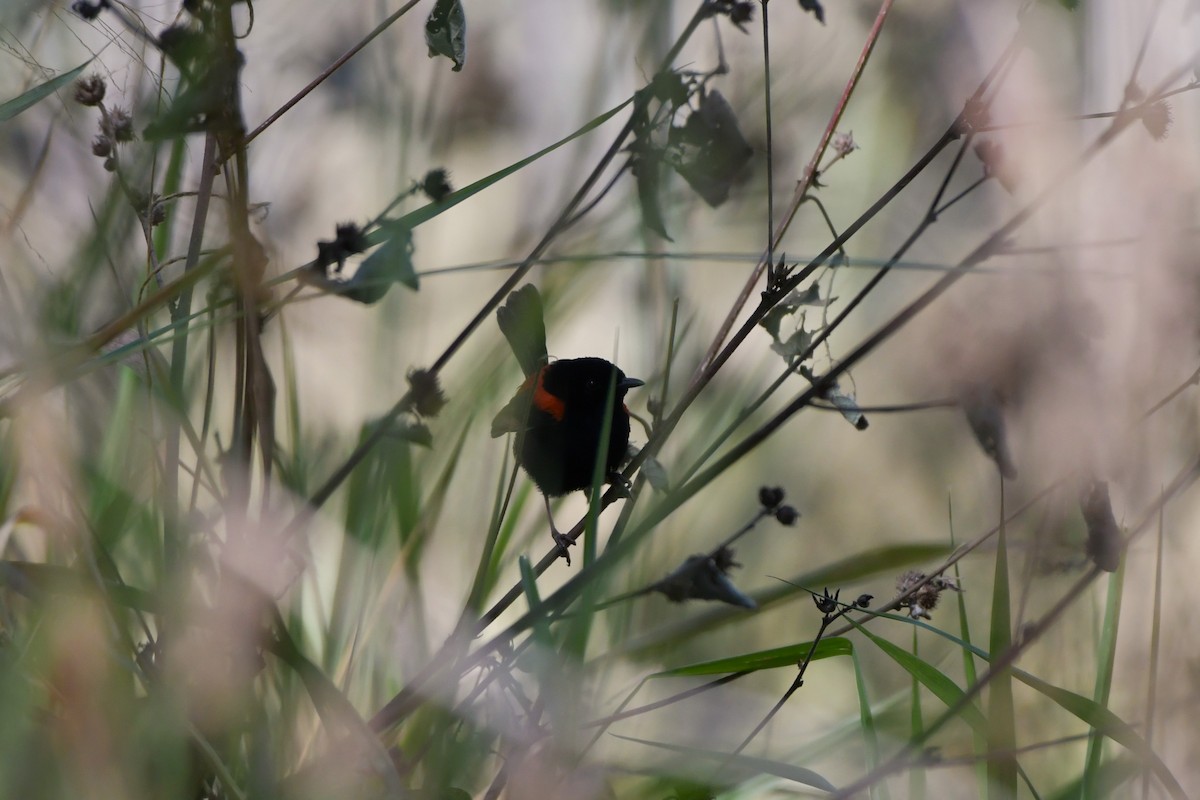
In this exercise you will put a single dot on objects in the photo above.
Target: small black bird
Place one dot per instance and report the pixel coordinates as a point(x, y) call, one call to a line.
point(558, 413)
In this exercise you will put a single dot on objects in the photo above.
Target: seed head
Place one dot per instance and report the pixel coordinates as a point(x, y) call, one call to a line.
point(427, 397)
point(118, 125)
point(1156, 118)
point(787, 515)
point(101, 146)
point(925, 599)
point(436, 185)
point(89, 91)
point(770, 496)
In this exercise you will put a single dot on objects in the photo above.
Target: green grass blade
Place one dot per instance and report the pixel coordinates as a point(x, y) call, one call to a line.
point(507, 532)
point(970, 674)
point(938, 684)
point(335, 710)
point(293, 470)
point(867, 720)
point(488, 566)
point(417, 520)
point(430, 210)
point(1112, 772)
point(541, 629)
point(32, 579)
point(1091, 713)
point(744, 767)
point(788, 656)
point(1002, 736)
point(1106, 657)
point(1155, 634)
point(26, 100)
point(392, 263)
point(917, 785)
point(172, 182)
point(1110, 725)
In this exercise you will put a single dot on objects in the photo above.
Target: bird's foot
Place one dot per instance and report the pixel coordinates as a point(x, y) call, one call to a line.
point(563, 541)
point(621, 484)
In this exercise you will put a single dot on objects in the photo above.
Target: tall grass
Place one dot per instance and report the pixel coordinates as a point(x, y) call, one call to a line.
point(257, 541)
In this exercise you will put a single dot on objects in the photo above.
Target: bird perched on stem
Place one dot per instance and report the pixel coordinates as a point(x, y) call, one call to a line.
point(561, 410)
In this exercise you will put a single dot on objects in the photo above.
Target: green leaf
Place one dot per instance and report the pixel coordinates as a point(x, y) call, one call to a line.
point(942, 687)
point(703, 577)
point(37, 94)
point(417, 433)
point(646, 163)
point(790, 655)
point(810, 296)
point(795, 345)
point(391, 263)
point(773, 319)
point(800, 340)
point(656, 474)
point(647, 168)
point(670, 88)
point(715, 151)
point(815, 8)
point(446, 32)
point(848, 405)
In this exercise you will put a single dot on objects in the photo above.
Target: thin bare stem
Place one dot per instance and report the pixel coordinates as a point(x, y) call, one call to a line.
point(766, 40)
point(802, 187)
point(332, 68)
point(173, 546)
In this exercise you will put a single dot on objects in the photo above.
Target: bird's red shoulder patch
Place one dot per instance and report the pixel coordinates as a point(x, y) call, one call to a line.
point(543, 399)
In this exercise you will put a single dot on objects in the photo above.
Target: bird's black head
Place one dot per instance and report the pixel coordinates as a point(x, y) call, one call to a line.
point(584, 382)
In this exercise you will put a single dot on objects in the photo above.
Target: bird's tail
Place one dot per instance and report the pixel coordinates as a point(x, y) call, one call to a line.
point(522, 323)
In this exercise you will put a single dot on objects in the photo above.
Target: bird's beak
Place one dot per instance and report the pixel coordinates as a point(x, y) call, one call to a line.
point(630, 383)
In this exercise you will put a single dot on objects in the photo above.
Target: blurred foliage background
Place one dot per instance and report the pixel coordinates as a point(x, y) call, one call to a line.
point(241, 558)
